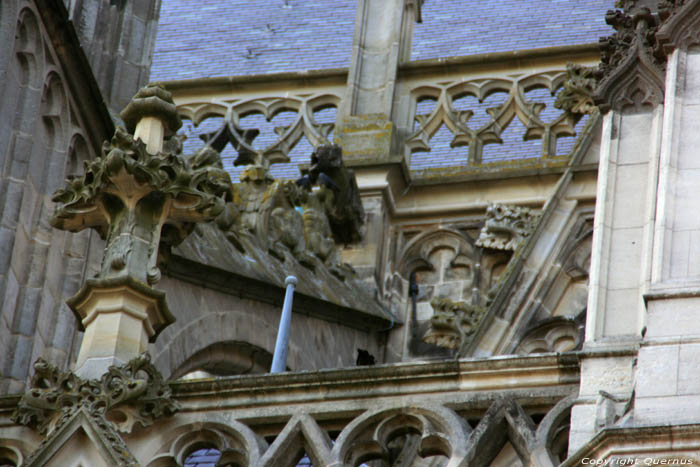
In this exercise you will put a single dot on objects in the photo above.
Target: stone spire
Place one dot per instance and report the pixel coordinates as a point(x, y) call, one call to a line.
point(141, 199)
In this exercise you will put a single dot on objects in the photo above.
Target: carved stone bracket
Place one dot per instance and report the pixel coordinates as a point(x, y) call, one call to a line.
point(453, 323)
point(506, 226)
point(126, 395)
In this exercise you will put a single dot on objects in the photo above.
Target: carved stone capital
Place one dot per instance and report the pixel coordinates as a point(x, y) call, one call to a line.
point(506, 226)
point(152, 101)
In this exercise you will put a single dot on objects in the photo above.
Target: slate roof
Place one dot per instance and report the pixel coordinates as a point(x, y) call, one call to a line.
point(466, 27)
point(207, 38)
point(223, 38)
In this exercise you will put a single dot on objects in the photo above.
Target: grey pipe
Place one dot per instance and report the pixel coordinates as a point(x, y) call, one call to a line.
point(279, 359)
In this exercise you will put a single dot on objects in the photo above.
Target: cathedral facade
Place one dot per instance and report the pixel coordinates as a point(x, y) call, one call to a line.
point(482, 240)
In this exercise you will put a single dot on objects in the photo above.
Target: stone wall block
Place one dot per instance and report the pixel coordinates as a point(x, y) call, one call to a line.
point(18, 364)
point(685, 199)
point(623, 307)
point(657, 373)
point(46, 322)
point(7, 237)
point(688, 369)
point(13, 203)
point(625, 258)
point(679, 261)
point(613, 375)
point(630, 183)
point(673, 317)
point(25, 323)
point(9, 302)
point(31, 107)
point(137, 39)
point(64, 329)
point(690, 92)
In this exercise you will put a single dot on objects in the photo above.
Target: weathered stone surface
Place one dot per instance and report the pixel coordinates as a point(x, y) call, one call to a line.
point(506, 227)
point(452, 323)
point(129, 195)
point(55, 396)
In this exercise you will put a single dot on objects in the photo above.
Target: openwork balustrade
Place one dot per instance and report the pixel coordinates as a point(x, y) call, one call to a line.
point(479, 112)
point(467, 115)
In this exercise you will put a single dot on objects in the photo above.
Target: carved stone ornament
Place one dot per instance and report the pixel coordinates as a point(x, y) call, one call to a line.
point(306, 218)
point(633, 63)
point(136, 199)
point(506, 226)
point(129, 394)
point(682, 29)
point(577, 95)
point(452, 323)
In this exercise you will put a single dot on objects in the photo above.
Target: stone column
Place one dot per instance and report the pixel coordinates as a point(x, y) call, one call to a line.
point(366, 127)
point(630, 93)
point(668, 377)
point(131, 195)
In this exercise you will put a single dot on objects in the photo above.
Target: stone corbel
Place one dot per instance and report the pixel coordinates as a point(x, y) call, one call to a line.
point(576, 97)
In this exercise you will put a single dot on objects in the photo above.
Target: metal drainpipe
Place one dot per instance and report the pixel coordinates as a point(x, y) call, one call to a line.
point(279, 359)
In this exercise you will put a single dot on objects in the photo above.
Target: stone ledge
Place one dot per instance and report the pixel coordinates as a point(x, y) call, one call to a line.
point(658, 292)
point(545, 377)
point(660, 442)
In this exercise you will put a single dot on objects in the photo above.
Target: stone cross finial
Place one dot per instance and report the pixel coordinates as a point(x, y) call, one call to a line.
point(139, 199)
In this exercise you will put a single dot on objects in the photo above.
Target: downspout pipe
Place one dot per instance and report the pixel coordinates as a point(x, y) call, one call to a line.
point(279, 359)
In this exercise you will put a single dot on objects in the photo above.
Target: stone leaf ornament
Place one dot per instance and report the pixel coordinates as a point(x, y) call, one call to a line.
point(137, 199)
point(506, 226)
point(577, 95)
point(129, 394)
point(633, 61)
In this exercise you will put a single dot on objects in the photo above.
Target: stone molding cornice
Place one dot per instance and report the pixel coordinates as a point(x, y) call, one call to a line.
point(471, 379)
